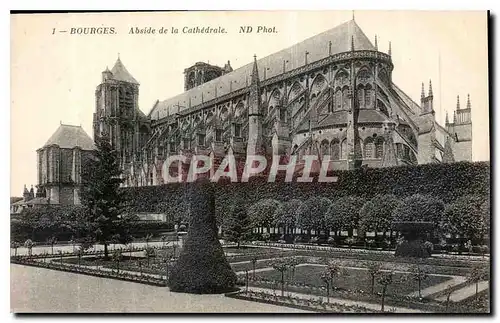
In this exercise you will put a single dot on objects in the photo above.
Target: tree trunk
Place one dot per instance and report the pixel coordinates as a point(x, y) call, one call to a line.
point(350, 232)
point(283, 283)
point(327, 292)
point(420, 288)
point(373, 284)
point(477, 283)
point(238, 247)
point(106, 252)
point(383, 298)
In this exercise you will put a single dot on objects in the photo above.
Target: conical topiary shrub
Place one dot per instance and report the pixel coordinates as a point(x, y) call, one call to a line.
point(202, 267)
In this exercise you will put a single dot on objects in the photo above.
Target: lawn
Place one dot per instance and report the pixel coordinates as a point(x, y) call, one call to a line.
point(354, 279)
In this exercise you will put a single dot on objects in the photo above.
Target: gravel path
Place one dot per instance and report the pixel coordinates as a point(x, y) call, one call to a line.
point(39, 290)
point(465, 292)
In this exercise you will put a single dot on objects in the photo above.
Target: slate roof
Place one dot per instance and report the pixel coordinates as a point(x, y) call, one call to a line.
point(340, 117)
point(68, 136)
point(317, 47)
point(120, 73)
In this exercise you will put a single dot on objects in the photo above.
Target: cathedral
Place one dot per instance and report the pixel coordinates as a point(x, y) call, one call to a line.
point(330, 95)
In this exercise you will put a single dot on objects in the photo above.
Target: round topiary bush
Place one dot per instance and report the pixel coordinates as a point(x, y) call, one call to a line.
point(202, 267)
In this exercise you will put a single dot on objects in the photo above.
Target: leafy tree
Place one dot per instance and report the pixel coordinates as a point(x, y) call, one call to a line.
point(149, 252)
point(52, 241)
point(374, 269)
point(254, 263)
point(350, 241)
point(239, 226)
point(311, 213)
point(79, 255)
point(418, 274)
point(117, 257)
point(334, 271)
point(101, 197)
point(28, 244)
point(344, 213)
point(478, 273)
point(148, 238)
point(286, 216)
point(325, 277)
point(281, 266)
point(376, 214)
point(262, 213)
point(292, 263)
point(163, 240)
point(385, 279)
point(419, 208)
point(14, 245)
point(466, 217)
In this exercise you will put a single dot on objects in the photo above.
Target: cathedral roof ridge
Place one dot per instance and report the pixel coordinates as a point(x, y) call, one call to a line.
point(316, 46)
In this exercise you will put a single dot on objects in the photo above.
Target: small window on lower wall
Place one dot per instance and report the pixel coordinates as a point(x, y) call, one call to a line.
point(201, 139)
point(218, 135)
point(237, 130)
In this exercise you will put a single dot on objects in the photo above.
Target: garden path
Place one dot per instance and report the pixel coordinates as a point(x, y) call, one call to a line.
point(42, 290)
point(455, 280)
point(465, 292)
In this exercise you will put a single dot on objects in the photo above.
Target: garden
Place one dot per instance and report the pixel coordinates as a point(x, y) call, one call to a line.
point(375, 241)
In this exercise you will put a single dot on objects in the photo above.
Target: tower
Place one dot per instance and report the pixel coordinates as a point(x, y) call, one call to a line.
point(26, 194)
point(426, 102)
point(117, 114)
point(254, 144)
point(462, 132)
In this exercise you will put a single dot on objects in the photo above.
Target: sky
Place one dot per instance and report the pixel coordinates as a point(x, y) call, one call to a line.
point(54, 76)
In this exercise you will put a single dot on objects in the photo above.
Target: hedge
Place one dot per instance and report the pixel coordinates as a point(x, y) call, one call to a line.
point(443, 181)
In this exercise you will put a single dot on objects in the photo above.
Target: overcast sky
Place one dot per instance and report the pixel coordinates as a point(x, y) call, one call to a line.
point(54, 76)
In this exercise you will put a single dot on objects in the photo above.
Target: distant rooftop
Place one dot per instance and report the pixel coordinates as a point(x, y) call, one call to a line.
point(120, 73)
point(69, 136)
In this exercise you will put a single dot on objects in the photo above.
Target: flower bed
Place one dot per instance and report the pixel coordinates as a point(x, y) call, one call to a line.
point(143, 279)
point(356, 280)
point(363, 254)
point(312, 304)
point(86, 252)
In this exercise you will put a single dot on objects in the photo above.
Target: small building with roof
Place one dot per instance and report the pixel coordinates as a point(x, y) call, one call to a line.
point(59, 164)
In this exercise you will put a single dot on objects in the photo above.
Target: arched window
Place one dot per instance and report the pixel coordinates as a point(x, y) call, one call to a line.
point(325, 148)
point(335, 149)
point(338, 100)
point(283, 114)
point(360, 95)
point(345, 98)
point(399, 150)
point(343, 149)
point(369, 148)
point(368, 96)
point(379, 147)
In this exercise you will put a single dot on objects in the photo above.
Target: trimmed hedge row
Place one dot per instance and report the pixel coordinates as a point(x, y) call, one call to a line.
point(443, 181)
point(21, 231)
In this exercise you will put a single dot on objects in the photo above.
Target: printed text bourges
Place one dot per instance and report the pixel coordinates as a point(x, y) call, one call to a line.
point(166, 30)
